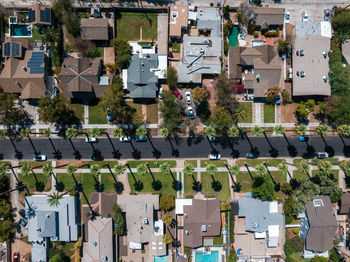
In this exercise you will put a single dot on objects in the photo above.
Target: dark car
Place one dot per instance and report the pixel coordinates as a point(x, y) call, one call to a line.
point(22, 213)
point(22, 222)
point(251, 156)
point(213, 139)
point(177, 93)
point(141, 139)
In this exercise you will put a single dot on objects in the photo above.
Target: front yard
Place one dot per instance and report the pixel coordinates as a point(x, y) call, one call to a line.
point(248, 108)
point(97, 113)
point(269, 113)
point(223, 186)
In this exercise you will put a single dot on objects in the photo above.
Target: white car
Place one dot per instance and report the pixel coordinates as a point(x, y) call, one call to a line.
point(190, 112)
point(91, 139)
point(160, 93)
point(125, 139)
point(214, 156)
point(305, 16)
point(39, 157)
point(322, 155)
point(188, 97)
point(287, 18)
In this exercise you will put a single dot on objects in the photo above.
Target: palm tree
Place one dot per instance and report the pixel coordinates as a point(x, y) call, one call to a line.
point(212, 171)
point(323, 130)
point(165, 169)
point(167, 238)
point(304, 167)
point(118, 132)
point(210, 131)
point(95, 171)
point(142, 169)
point(283, 169)
point(233, 131)
point(3, 133)
point(300, 130)
point(164, 132)
point(49, 35)
point(189, 171)
point(95, 132)
point(118, 170)
point(24, 133)
point(344, 130)
point(279, 130)
point(167, 219)
point(54, 199)
point(324, 166)
point(141, 131)
point(261, 169)
point(71, 169)
point(72, 133)
point(257, 131)
point(25, 169)
point(240, 113)
point(47, 169)
point(234, 170)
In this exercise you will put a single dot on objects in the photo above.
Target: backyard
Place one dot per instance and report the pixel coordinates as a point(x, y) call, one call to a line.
point(129, 25)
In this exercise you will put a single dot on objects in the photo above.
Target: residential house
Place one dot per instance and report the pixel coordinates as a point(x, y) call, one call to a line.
point(95, 29)
point(141, 225)
point(257, 68)
point(202, 52)
point(145, 70)
point(345, 48)
point(82, 78)
point(311, 48)
point(24, 71)
point(39, 14)
point(318, 227)
point(258, 228)
point(100, 240)
point(267, 18)
point(200, 219)
point(178, 24)
point(50, 223)
point(342, 218)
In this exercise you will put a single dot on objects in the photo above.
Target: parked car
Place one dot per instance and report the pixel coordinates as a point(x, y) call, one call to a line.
point(188, 97)
point(287, 18)
point(22, 213)
point(39, 157)
point(141, 139)
point(322, 155)
point(327, 14)
point(91, 139)
point(16, 257)
point(190, 112)
point(177, 93)
point(125, 139)
point(250, 155)
point(303, 138)
point(160, 93)
point(214, 156)
point(22, 222)
point(109, 118)
point(305, 16)
point(213, 139)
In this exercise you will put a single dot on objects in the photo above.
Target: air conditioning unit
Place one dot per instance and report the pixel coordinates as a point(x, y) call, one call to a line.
point(324, 54)
point(302, 74)
point(204, 228)
point(325, 78)
point(302, 52)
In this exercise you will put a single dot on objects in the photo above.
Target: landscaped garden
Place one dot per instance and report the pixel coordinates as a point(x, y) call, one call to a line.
point(129, 25)
point(247, 106)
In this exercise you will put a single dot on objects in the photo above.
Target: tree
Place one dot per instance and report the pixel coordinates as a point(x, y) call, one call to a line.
point(263, 187)
point(200, 94)
point(6, 226)
point(211, 169)
point(119, 169)
point(290, 247)
point(171, 77)
point(283, 168)
point(71, 169)
point(164, 132)
point(71, 132)
point(142, 169)
point(261, 169)
point(49, 34)
point(122, 52)
point(167, 239)
point(141, 131)
point(25, 169)
point(167, 219)
point(113, 100)
point(56, 110)
point(304, 109)
point(60, 6)
point(283, 47)
point(168, 109)
point(227, 28)
point(118, 132)
point(257, 130)
point(345, 166)
point(328, 185)
point(10, 115)
point(301, 130)
point(233, 131)
point(322, 130)
point(272, 94)
point(47, 132)
point(54, 199)
point(119, 221)
point(221, 119)
point(95, 171)
point(235, 169)
point(225, 93)
point(3, 133)
point(279, 130)
point(209, 131)
point(340, 22)
point(303, 167)
point(188, 169)
point(95, 132)
point(303, 194)
point(239, 113)
point(324, 166)
point(164, 168)
point(166, 202)
point(24, 132)
point(47, 169)
point(319, 259)
point(343, 130)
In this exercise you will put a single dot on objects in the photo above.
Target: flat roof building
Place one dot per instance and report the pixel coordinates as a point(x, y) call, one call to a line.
point(178, 21)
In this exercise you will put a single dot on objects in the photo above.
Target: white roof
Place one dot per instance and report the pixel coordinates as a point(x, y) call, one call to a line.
point(326, 29)
point(162, 67)
point(158, 228)
point(137, 49)
point(273, 207)
point(192, 15)
point(125, 78)
point(179, 205)
point(260, 235)
point(104, 81)
point(274, 231)
point(134, 245)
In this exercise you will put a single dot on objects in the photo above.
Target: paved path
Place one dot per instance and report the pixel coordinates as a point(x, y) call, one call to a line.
point(86, 114)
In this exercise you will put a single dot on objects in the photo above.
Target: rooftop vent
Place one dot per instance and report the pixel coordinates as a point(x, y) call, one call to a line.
point(302, 74)
point(145, 220)
point(95, 243)
point(324, 54)
point(104, 258)
point(318, 203)
point(185, 215)
point(257, 78)
point(186, 233)
point(204, 228)
point(24, 68)
point(302, 53)
point(255, 225)
point(325, 78)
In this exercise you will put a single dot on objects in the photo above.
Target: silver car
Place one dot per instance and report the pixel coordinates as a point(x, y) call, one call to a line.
point(125, 139)
point(214, 156)
point(188, 97)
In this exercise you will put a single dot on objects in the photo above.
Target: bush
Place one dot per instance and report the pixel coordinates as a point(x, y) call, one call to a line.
point(167, 202)
point(288, 219)
point(296, 231)
point(272, 33)
point(290, 247)
point(287, 188)
point(255, 34)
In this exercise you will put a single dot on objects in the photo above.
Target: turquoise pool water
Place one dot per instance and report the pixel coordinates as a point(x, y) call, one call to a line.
point(20, 30)
point(213, 257)
point(233, 37)
point(160, 259)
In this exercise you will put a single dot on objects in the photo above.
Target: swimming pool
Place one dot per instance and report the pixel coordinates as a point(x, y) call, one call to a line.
point(213, 257)
point(160, 259)
point(21, 30)
point(233, 37)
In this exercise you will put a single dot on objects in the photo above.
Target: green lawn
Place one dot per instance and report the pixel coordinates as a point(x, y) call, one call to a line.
point(138, 107)
point(34, 164)
point(278, 178)
point(102, 164)
point(30, 181)
point(255, 162)
point(176, 47)
point(248, 108)
point(78, 109)
point(269, 113)
point(166, 181)
point(218, 163)
point(97, 113)
point(299, 175)
point(108, 183)
point(333, 160)
point(151, 163)
point(222, 177)
point(129, 24)
point(218, 240)
point(245, 181)
point(193, 162)
point(188, 183)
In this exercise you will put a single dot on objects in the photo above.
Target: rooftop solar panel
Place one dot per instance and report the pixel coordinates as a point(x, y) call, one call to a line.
point(15, 49)
point(31, 15)
point(35, 62)
point(7, 49)
point(45, 15)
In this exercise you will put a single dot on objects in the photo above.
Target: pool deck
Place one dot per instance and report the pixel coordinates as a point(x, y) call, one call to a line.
point(220, 250)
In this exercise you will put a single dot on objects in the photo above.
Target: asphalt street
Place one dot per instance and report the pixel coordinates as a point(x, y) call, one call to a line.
point(197, 147)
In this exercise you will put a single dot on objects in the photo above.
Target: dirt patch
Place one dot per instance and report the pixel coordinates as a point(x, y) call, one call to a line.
point(314, 117)
point(288, 113)
point(24, 249)
point(209, 84)
point(64, 164)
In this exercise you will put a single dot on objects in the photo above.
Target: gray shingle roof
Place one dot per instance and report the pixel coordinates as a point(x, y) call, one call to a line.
point(265, 17)
point(257, 214)
point(47, 223)
point(209, 18)
point(94, 29)
point(345, 48)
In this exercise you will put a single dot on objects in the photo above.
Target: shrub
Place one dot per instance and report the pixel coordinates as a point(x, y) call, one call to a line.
point(255, 34)
point(290, 247)
point(296, 231)
point(287, 188)
point(288, 219)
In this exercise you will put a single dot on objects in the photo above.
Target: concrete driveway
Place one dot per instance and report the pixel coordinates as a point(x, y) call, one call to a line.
point(163, 34)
